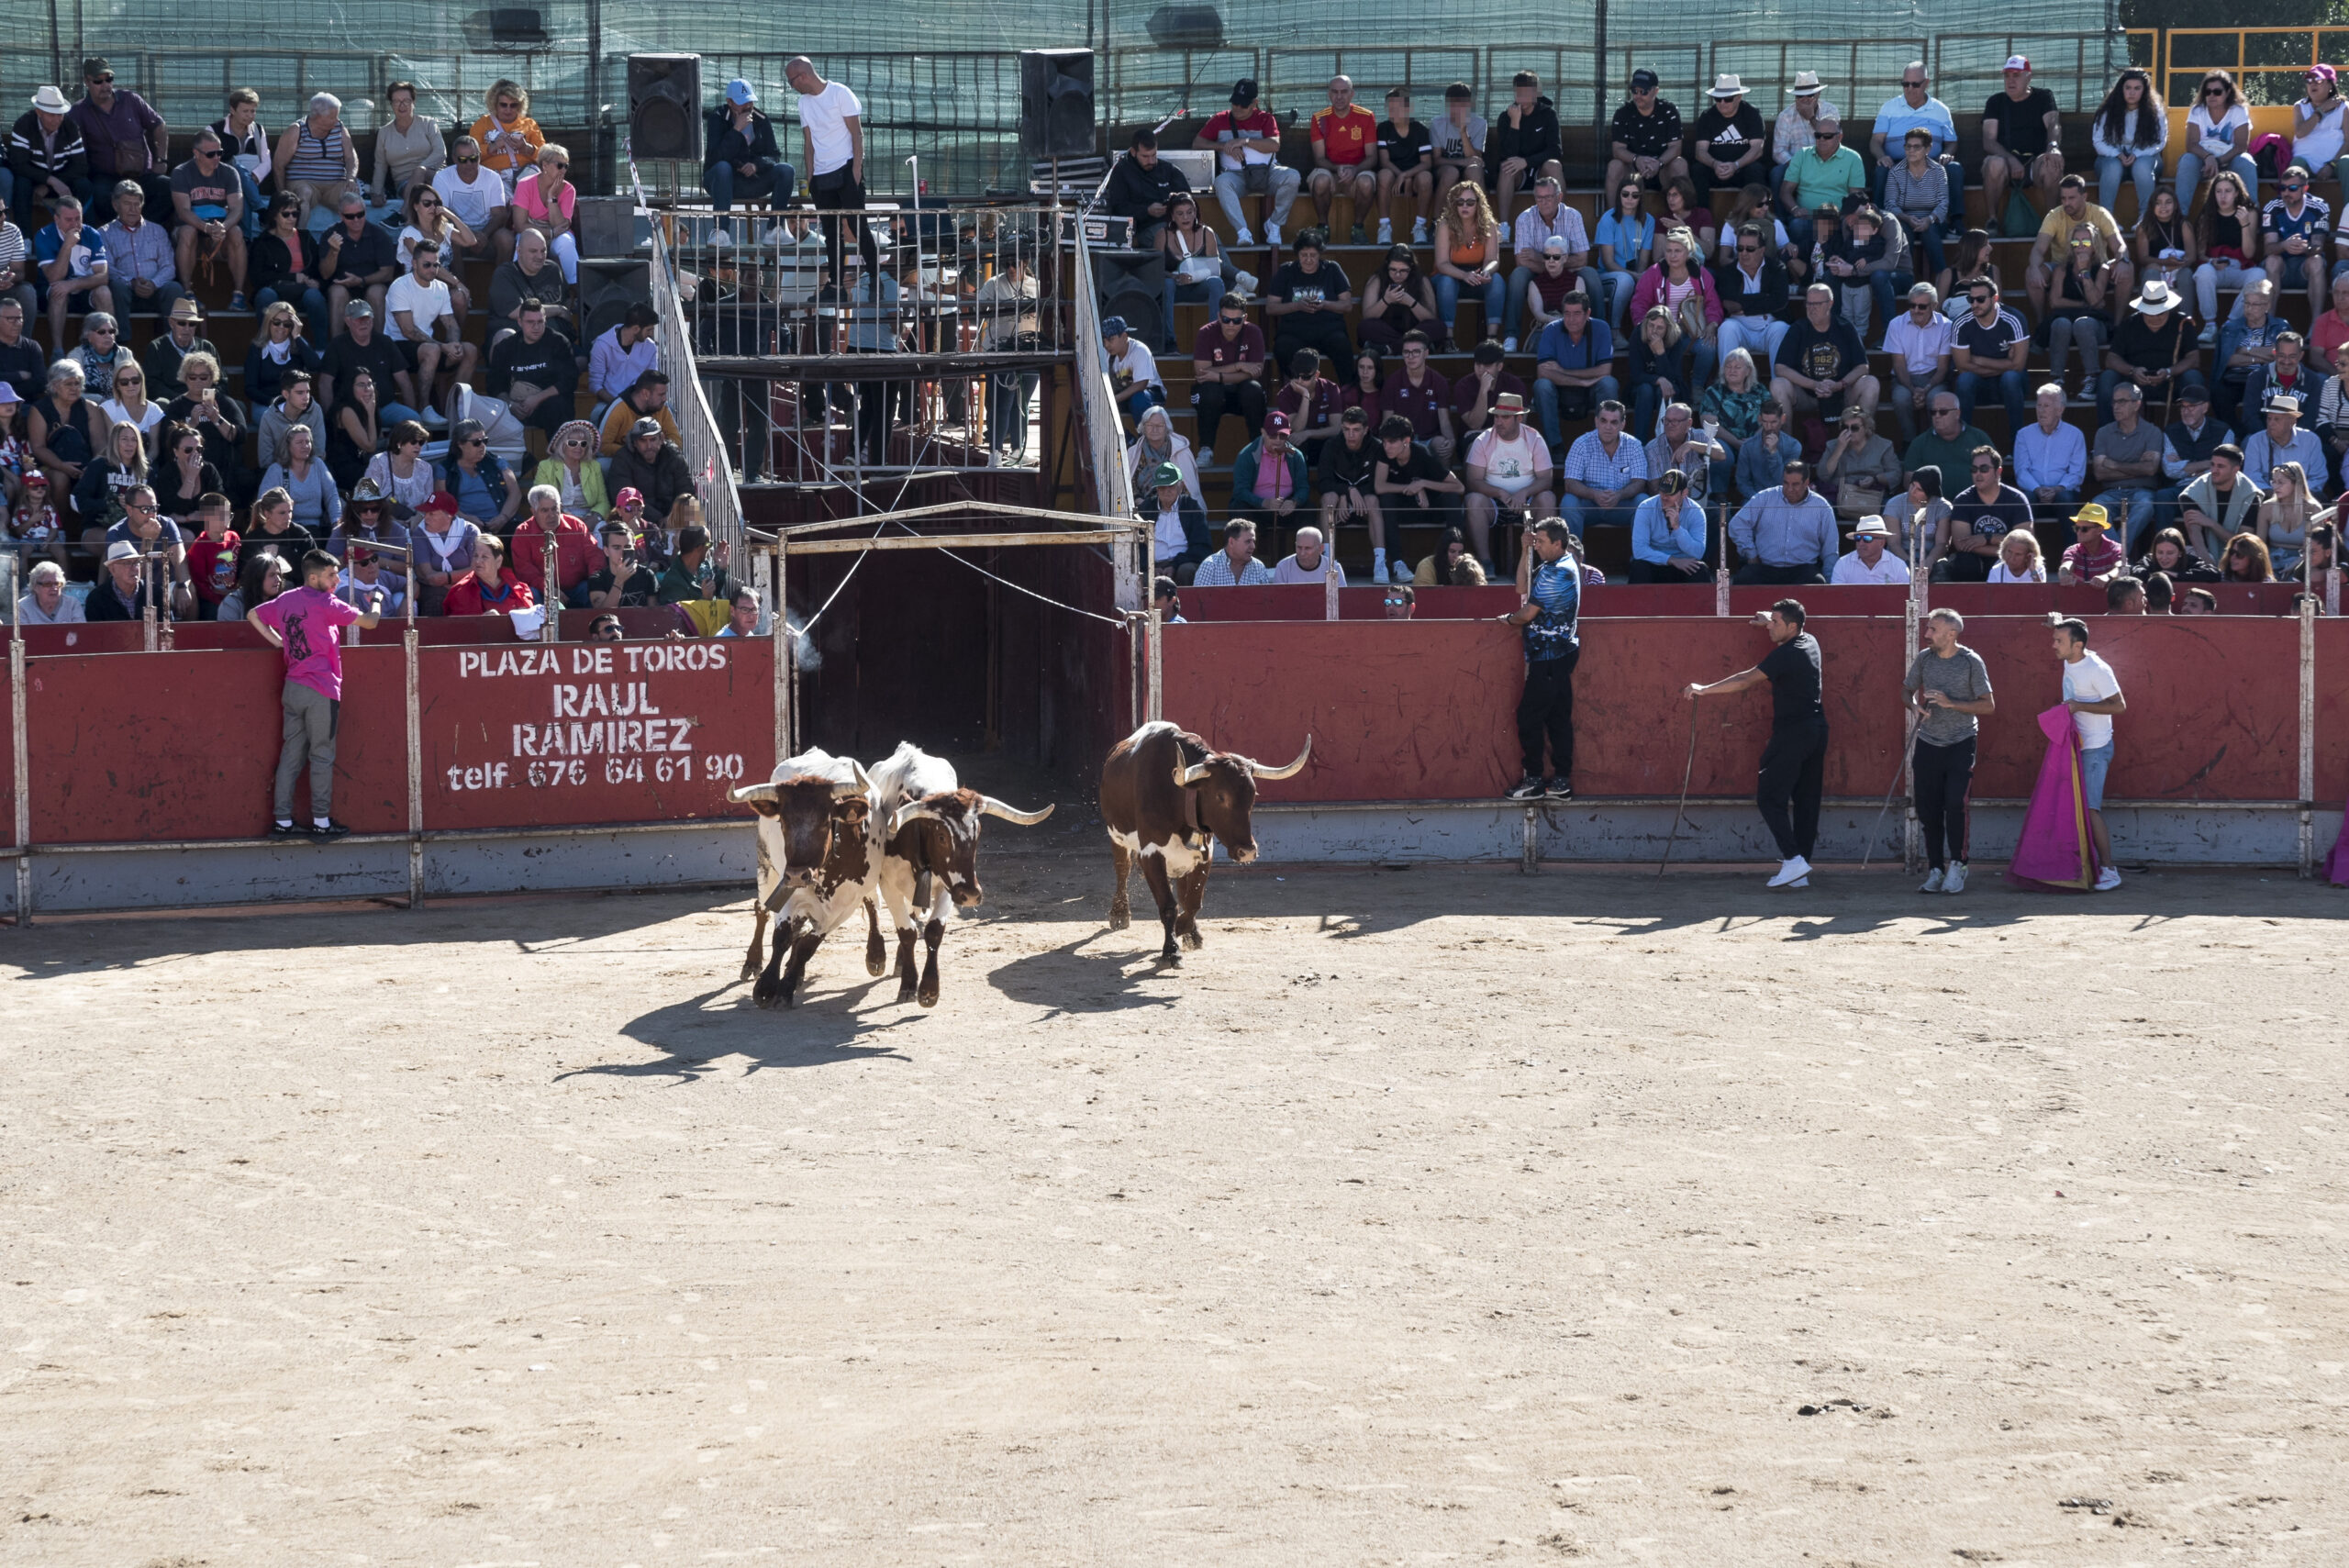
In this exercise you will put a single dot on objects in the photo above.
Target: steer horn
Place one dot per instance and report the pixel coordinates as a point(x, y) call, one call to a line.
point(751, 791)
point(1187, 777)
point(1290, 771)
point(863, 784)
point(993, 808)
point(911, 811)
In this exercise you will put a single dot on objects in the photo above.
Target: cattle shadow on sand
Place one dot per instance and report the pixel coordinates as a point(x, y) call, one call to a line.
point(1070, 981)
point(696, 1035)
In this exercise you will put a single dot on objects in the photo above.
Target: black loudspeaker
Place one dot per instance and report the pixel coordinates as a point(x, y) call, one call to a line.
point(607, 288)
point(606, 226)
point(1055, 103)
point(1133, 285)
point(665, 107)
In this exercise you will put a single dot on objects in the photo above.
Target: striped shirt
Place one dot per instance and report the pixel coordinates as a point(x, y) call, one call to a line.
point(318, 159)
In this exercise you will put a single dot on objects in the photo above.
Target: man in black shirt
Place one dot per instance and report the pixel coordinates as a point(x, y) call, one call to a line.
point(622, 585)
point(1411, 487)
point(1645, 139)
point(1523, 144)
point(2021, 139)
point(1141, 186)
point(22, 364)
point(536, 370)
point(1307, 302)
point(1794, 762)
point(362, 346)
point(357, 259)
point(2153, 347)
point(1346, 485)
point(1820, 361)
point(1731, 138)
point(1980, 518)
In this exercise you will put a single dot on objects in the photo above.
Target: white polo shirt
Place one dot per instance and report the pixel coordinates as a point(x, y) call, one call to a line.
point(825, 119)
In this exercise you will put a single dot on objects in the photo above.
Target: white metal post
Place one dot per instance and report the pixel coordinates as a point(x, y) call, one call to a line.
point(409, 661)
point(781, 634)
point(22, 768)
point(1720, 563)
point(1157, 667)
point(2308, 736)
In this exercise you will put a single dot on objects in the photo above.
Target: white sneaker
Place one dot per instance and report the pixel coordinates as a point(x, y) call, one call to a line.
point(1418, 231)
point(1509, 345)
point(1245, 238)
point(432, 416)
point(2106, 880)
point(1272, 235)
point(1799, 881)
point(1400, 573)
point(1387, 231)
point(2209, 333)
point(1955, 881)
point(719, 239)
point(1934, 882)
point(1790, 872)
point(1203, 459)
point(1244, 280)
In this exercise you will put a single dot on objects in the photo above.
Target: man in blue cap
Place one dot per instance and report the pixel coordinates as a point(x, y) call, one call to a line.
point(739, 143)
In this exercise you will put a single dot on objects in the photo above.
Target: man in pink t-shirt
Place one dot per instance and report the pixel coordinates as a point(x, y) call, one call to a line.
point(305, 624)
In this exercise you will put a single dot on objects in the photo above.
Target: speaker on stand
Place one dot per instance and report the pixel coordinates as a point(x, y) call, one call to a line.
point(1055, 103)
point(664, 112)
point(607, 286)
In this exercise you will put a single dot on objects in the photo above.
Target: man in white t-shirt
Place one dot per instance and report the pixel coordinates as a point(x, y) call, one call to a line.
point(477, 196)
point(1311, 564)
point(2093, 694)
point(1134, 380)
point(831, 130)
point(1869, 561)
point(425, 327)
point(1509, 465)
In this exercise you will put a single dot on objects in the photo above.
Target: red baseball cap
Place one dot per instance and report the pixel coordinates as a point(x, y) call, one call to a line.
point(1276, 422)
point(442, 503)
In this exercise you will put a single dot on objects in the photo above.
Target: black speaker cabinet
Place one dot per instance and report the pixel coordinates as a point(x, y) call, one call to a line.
point(1133, 285)
point(606, 226)
point(607, 288)
point(1055, 103)
point(664, 105)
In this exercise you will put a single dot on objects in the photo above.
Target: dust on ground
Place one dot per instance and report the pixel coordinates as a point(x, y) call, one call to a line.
point(1438, 1215)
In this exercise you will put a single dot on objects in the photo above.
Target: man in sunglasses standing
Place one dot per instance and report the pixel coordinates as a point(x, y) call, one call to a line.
point(122, 136)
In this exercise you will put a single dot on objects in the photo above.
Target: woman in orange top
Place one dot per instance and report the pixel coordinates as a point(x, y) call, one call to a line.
point(509, 137)
point(1468, 252)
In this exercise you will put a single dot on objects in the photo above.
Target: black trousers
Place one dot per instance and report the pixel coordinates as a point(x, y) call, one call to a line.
point(1943, 780)
point(1318, 330)
point(841, 189)
point(1665, 572)
point(1214, 399)
point(1756, 572)
point(1793, 777)
point(1546, 712)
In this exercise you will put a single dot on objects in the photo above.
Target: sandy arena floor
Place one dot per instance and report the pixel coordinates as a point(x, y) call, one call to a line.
point(1435, 1215)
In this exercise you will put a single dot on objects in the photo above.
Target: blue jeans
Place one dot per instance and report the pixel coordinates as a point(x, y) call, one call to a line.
point(1546, 406)
point(2136, 505)
point(311, 303)
point(2192, 168)
point(1618, 287)
point(254, 205)
point(1138, 402)
point(2010, 393)
point(2146, 172)
point(1579, 513)
point(1929, 242)
point(2094, 765)
point(1447, 300)
point(719, 180)
point(1757, 335)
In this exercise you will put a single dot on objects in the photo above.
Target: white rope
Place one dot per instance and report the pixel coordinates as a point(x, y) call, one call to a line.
point(1118, 622)
point(809, 626)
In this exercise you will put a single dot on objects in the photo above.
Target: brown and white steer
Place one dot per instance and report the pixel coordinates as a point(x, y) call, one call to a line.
point(1165, 798)
point(815, 864)
point(927, 828)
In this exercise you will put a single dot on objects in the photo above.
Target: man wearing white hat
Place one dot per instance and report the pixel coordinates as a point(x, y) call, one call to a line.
point(2151, 348)
point(2022, 138)
point(1912, 108)
point(46, 157)
point(1730, 137)
point(1869, 563)
point(1792, 132)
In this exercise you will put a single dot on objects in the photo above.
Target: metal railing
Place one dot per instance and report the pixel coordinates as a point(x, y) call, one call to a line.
point(707, 458)
point(1113, 485)
point(803, 372)
point(2267, 63)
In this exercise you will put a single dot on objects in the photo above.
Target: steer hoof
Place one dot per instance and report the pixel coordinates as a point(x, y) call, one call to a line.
point(768, 994)
point(1193, 940)
point(906, 990)
point(1118, 918)
point(1168, 954)
point(749, 969)
point(876, 957)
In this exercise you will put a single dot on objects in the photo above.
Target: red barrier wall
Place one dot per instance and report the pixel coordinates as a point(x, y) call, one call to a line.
point(150, 747)
point(1426, 711)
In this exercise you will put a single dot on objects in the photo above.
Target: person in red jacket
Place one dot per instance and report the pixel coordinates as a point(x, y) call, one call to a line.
point(489, 589)
point(576, 557)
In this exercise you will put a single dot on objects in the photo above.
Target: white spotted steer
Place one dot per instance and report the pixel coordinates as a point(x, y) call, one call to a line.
point(815, 864)
point(1165, 798)
point(926, 833)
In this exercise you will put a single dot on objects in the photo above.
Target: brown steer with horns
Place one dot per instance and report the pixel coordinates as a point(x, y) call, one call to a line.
point(1165, 797)
point(813, 864)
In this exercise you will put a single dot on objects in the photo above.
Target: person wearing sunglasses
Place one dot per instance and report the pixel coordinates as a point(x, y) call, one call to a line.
point(2218, 136)
point(1644, 138)
point(475, 197)
point(509, 137)
point(2293, 231)
point(1980, 516)
point(317, 162)
point(208, 204)
point(122, 136)
point(1821, 175)
point(427, 331)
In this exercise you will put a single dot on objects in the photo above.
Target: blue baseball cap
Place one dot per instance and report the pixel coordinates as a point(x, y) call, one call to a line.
point(1113, 327)
point(739, 92)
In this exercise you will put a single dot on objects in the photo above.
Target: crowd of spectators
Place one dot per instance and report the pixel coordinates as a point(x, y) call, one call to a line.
point(415, 392)
point(1753, 355)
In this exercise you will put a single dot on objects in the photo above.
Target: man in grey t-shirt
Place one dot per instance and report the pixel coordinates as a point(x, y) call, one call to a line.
point(1949, 687)
point(2126, 459)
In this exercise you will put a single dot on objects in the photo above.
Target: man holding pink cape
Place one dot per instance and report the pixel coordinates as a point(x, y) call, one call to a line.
point(2064, 842)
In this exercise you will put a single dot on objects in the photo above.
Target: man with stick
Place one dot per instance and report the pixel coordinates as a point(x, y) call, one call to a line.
point(1550, 578)
point(1793, 774)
